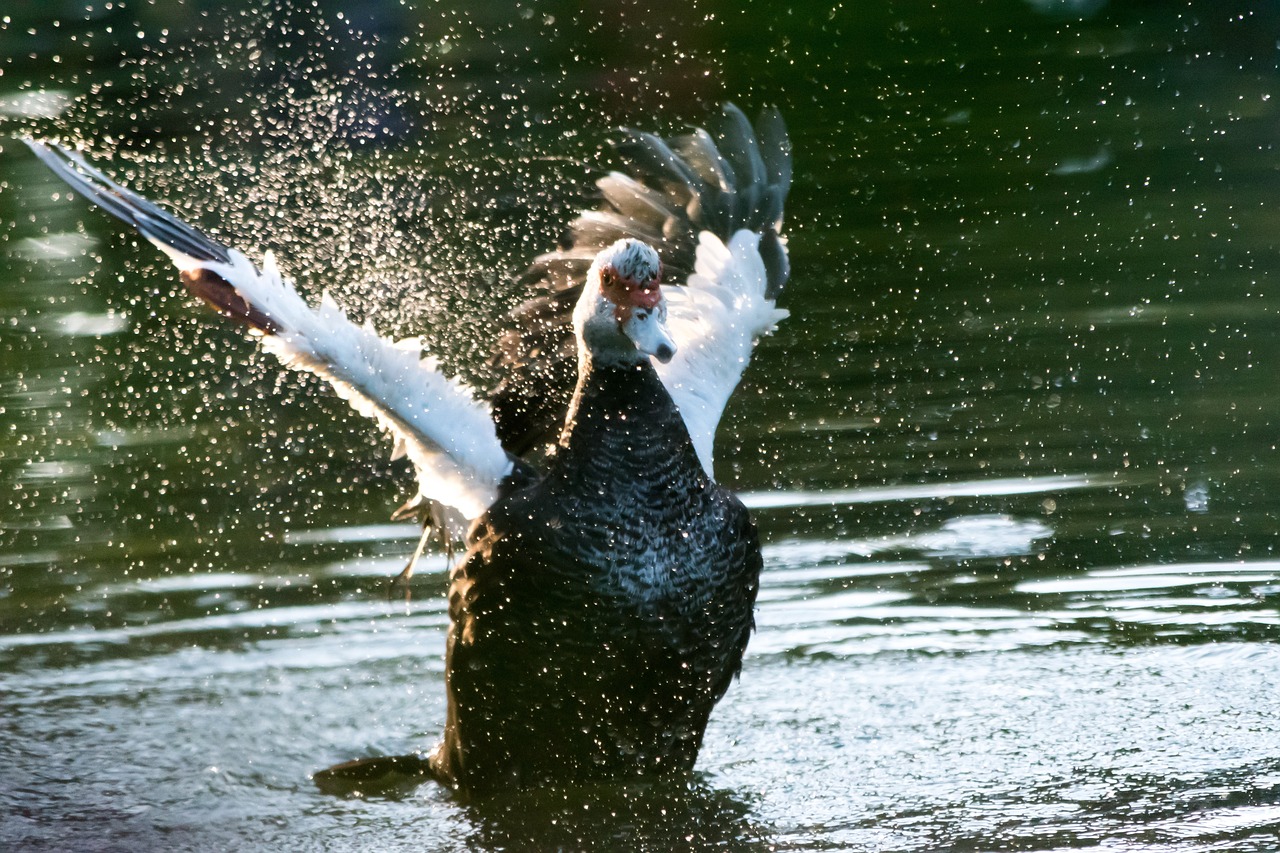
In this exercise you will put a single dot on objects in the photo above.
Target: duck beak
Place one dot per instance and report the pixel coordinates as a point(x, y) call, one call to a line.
point(647, 329)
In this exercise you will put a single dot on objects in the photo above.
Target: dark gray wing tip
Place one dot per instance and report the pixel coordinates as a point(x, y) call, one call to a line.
point(124, 204)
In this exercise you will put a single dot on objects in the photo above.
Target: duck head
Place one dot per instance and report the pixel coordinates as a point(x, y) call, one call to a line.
point(621, 317)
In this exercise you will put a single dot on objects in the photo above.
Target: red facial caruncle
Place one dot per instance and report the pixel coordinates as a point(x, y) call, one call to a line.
point(628, 294)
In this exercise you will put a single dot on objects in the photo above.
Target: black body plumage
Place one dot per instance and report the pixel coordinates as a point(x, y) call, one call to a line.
point(601, 612)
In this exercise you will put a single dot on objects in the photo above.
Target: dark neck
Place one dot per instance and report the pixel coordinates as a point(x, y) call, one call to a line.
point(623, 427)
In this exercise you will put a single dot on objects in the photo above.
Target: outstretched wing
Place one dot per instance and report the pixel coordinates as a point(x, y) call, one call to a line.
point(434, 419)
point(712, 207)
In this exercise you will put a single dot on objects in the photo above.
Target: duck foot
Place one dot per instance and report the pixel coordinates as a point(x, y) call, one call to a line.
point(400, 583)
point(383, 774)
point(431, 515)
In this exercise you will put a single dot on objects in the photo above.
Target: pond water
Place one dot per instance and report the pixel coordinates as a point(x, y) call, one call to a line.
point(1013, 457)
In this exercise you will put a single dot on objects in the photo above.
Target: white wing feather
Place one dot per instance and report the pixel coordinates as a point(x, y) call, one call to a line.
point(433, 419)
point(715, 319)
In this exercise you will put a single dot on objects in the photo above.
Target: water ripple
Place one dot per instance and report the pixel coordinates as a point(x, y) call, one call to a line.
point(995, 487)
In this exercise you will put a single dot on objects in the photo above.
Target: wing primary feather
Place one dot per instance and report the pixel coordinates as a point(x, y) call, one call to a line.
point(741, 148)
point(149, 220)
point(775, 148)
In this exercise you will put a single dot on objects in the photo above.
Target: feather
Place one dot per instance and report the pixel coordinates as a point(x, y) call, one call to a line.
point(447, 434)
point(715, 319)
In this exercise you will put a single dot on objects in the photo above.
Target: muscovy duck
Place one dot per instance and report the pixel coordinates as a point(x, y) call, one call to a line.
point(604, 603)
